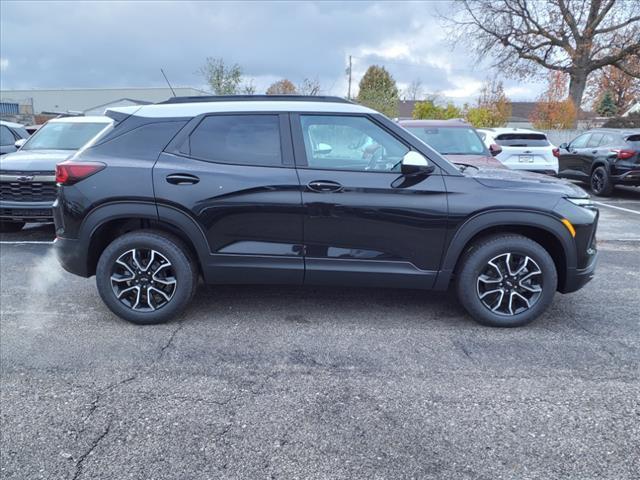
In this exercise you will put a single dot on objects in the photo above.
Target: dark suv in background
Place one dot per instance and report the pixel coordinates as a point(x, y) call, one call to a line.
point(308, 190)
point(604, 158)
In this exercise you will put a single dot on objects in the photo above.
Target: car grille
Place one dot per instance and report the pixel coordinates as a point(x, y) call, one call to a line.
point(27, 186)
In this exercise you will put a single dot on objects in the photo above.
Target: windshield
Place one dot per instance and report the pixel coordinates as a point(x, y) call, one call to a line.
point(450, 140)
point(63, 136)
point(522, 140)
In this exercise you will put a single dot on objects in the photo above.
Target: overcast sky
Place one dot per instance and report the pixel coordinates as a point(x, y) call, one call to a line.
point(111, 44)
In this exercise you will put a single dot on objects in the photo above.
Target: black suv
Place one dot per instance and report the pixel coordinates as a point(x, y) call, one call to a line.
point(308, 190)
point(602, 157)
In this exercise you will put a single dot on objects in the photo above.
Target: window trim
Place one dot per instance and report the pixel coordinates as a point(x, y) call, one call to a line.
point(592, 137)
point(300, 150)
point(177, 145)
point(587, 134)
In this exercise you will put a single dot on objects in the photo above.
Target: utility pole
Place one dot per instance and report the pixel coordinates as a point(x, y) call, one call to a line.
point(349, 91)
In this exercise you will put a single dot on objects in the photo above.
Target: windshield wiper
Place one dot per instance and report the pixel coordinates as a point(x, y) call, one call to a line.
point(464, 166)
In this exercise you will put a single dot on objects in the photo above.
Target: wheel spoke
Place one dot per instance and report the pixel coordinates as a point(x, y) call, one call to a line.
point(487, 279)
point(490, 292)
point(497, 305)
point(120, 278)
point(135, 260)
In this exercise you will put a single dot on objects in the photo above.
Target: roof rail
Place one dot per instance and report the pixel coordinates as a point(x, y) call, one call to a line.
point(256, 98)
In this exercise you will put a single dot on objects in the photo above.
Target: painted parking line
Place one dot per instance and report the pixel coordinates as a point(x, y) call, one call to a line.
point(618, 208)
point(25, 242)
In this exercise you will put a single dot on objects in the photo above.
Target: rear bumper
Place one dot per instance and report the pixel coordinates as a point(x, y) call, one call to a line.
point(631, 177)
point(579, 277)
point(71, 256)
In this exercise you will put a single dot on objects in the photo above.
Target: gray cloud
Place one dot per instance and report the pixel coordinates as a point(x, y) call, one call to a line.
point(98, 44)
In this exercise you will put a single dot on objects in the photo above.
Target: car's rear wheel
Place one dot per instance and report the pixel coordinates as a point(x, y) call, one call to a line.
point(9, 227)
point(146, 277)
point(506, 281)
point(600, 182)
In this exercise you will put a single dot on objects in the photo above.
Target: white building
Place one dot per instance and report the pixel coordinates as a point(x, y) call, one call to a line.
point(635, 108)
point(92, 100)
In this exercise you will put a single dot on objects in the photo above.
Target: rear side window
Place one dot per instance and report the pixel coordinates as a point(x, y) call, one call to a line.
point(238, 139)
point(607, 140)
point(581, 141)
point(522, 140)
point(595, 139)
point(634, 140)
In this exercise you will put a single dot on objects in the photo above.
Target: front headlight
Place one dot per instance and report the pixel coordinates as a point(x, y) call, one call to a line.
point(582, 202)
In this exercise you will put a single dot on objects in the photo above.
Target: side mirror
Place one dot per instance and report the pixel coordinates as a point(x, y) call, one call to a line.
point(495, 149)
point(323, 149)
point(414, 163)
point(20, 143)
point(564, 146)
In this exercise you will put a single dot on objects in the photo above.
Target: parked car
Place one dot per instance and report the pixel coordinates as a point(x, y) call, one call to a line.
point(268, 189)
point(27, 177)
point(604, 158)
point(12, 136)
point(456, 140)
point(522, 149)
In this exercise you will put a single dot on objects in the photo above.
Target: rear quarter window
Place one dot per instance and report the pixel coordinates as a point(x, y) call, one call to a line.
point(522, 140)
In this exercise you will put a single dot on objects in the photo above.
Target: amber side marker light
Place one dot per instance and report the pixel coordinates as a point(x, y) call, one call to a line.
point(569, 226)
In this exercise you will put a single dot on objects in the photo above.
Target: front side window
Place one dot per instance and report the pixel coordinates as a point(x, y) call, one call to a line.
point(581, 141)
point(607, 140)
point(63, 136)
point(6, 137)
point(238, 139)
point(350, 143)
point(450, 140)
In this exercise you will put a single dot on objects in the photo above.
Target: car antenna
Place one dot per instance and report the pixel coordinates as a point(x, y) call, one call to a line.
point(165, 77)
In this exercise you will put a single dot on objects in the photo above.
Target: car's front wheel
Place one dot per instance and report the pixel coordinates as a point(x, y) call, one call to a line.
point(506, 280)
point(10, 227)
point(146, 277)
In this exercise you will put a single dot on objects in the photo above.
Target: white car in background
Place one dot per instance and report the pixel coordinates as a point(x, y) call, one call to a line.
point(521, 149)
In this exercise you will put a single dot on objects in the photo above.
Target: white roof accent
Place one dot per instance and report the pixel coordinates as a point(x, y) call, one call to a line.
point(88, 119)
point(198, 108)
point(11, 124)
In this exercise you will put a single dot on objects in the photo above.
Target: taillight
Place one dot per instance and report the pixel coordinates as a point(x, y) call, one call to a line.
point(624, 153)
point(69, 172)
point(556, 152)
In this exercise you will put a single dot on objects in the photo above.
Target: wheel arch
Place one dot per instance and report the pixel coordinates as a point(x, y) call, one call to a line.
point(545, 229)
point(107, 222)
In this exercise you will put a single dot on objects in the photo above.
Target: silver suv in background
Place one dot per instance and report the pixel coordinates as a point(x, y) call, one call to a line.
point(27, 177)
point(522, 149)
point(12, 135)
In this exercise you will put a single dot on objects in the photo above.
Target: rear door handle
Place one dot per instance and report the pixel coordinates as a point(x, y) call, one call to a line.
point(324, 186)
point(182, 179)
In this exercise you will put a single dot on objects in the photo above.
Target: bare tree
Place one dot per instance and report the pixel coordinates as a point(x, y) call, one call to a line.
point(575, 37)
point(309, 87)
point(414, 91)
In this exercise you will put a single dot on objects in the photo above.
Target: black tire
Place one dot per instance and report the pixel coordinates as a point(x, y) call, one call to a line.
point(182, 266)
point(600, 182)
point(10, 227)
point(475, 263)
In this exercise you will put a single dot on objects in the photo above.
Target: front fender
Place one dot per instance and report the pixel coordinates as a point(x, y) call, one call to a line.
point(485, 221)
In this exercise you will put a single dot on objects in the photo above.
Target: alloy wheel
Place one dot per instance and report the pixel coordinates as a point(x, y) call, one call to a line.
point(597, 181)
point(143, 279)
point(510, 284)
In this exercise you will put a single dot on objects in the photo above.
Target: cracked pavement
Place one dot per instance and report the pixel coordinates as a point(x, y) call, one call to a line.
point(287, 382)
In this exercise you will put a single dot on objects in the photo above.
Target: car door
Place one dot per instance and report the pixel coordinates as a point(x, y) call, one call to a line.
point(590, 153)
point(234, 175)
point(571, 162)
point(364, 223)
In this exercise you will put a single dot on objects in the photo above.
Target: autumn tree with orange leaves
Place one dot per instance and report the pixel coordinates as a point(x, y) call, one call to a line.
point(554, 109)
point(624, 88)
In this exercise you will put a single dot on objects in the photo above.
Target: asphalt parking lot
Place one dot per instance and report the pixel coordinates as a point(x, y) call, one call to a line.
point(282, 382)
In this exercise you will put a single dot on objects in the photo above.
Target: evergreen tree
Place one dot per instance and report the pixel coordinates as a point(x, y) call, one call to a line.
point(378, 90)
point(607, 105)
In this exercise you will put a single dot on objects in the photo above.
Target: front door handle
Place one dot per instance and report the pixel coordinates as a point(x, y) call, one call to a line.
point(322, 186)
point(182, 179)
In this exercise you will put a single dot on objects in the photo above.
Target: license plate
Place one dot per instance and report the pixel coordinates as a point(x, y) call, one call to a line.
point(525, 158)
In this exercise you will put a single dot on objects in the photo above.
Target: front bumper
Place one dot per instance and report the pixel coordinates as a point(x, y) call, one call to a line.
point(579, 277)
point(71, 256)
point(26, 211)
